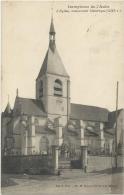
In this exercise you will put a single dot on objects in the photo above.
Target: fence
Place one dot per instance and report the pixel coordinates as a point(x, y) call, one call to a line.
point(34, 164)
point(98, 163)
point(42, 164)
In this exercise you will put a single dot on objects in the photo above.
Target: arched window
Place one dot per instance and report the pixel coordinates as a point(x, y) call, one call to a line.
point(58, 88)
point(41, 89)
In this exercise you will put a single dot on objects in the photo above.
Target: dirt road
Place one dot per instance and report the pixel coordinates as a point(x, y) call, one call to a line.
point(70, 182)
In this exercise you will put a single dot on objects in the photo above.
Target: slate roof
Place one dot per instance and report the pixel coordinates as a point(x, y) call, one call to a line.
point(89, 113)
point(84, 112)
point(29, 107)
point(52, 64)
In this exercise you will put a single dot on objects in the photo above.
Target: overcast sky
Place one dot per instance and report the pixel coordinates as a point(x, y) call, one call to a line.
point(91, 46)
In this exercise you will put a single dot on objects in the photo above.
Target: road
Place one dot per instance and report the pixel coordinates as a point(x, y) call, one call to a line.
point(69, 182)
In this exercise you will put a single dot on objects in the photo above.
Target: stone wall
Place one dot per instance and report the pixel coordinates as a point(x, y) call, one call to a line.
point(37, 164)
point(98, 163)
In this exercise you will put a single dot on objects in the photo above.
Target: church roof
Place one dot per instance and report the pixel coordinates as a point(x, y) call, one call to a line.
point(52, 64)
point(89, 113)
point(29, 107)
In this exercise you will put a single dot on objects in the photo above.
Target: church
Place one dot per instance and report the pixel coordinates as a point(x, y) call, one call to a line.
point(30, 127)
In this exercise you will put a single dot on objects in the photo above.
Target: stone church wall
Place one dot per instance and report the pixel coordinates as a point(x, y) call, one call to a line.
point(43, 143)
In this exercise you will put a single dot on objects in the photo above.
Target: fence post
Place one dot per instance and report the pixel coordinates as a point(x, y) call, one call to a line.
point(55, 156)
point(84, 158)
point(102, 139)
point(26, 142)
point(58, 128)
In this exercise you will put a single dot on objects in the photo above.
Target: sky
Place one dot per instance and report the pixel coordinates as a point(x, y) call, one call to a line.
point(91, 46)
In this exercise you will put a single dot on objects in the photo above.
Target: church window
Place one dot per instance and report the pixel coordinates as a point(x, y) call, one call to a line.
point(41, 89)
point(58, 88)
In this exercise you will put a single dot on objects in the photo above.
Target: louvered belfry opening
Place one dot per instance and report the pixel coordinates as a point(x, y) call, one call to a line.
point(58, 88)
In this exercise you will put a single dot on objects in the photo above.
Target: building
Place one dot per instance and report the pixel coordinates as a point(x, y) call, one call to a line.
point(31, 126)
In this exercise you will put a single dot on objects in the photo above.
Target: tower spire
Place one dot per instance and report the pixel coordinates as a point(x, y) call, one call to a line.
point(52, 34)
point(52, 14)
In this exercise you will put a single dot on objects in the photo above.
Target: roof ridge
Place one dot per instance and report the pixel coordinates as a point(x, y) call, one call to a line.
point(90, 113)
point(44, 65)
point(89, 106)
point(28, 98)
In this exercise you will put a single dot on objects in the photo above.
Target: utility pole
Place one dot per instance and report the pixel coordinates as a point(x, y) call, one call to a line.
point(116, 128)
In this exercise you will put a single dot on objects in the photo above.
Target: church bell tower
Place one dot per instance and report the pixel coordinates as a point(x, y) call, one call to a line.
point(53, 82)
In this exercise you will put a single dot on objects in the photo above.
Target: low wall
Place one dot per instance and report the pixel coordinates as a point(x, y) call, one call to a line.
point(37, 164)
point(33, 164)
point(97, 163)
